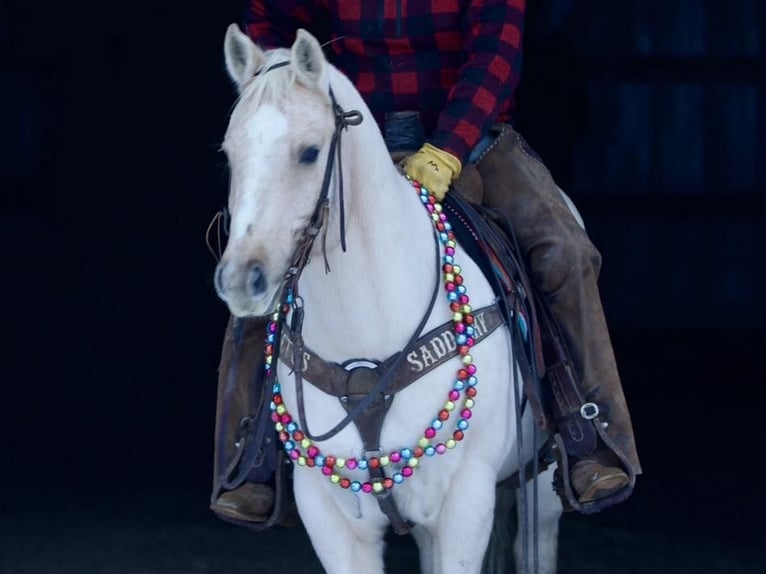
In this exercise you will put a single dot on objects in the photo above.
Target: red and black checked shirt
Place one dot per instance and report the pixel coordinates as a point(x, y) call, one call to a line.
point(455, 61)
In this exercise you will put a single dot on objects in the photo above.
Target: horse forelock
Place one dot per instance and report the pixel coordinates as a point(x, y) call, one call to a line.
point(269, 84)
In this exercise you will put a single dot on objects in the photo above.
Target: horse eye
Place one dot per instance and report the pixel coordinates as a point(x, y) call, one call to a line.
point(309, 155)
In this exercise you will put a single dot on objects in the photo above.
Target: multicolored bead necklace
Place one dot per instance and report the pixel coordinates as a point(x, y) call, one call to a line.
point(301, 449)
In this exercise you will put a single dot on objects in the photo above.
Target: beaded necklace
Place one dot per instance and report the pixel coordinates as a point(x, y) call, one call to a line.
point(301, 449)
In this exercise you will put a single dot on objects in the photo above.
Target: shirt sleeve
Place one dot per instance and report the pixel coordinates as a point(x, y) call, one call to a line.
point(488, 77)
point(273, 23)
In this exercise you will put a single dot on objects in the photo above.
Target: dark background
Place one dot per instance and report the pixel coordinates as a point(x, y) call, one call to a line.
point(650, 114)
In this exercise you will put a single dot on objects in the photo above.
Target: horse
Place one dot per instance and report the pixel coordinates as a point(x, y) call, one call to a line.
point(335, 240)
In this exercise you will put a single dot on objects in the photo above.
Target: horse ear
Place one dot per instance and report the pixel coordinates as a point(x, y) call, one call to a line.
point(307, 59)
point(243, 57)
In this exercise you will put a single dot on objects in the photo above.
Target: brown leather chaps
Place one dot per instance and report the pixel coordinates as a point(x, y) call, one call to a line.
point(565, 264)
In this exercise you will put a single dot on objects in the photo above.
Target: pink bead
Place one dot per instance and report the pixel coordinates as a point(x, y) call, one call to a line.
point(326, 470)
point(464, 299)
point(449, 286)
point(470, 341)
point(449, 250)
point(312, 451)
point(454, 395)
point(351, 464)
point(407, 471)
point(466, 413)
point(366, 487)
point(440, 448)
point(395, 457)
point(274, 417)
point(460, 328)
point(430, 433)
point(471, 369)
point(294, 454)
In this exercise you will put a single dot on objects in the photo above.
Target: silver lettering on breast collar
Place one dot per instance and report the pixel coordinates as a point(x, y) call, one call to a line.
point(480, 325)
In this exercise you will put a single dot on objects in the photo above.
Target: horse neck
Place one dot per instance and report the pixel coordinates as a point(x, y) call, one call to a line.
point(376, 291)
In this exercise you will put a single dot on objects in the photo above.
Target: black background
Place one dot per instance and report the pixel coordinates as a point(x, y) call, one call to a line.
point(111, 172)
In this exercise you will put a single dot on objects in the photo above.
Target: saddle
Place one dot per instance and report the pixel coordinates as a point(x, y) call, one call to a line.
point(551, 385)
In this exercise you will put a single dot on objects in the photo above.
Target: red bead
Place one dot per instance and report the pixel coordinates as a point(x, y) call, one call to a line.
point(447, 268)
point(458, 435)
point(310, 462)
point(277, 398)
point(345, 483)
point(418, 451)
point(459, 279)
point(468, 319)
point(298, 435)
point(269, 349)
point(443, 415)
point(454, 306)
point(374, 462)
point(464, 349)
point(329, 461)
point(283, 436)
point(388, 483)
point(462, 374)
point(470, 392)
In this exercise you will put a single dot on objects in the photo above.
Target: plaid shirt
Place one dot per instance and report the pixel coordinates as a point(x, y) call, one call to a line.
point(457, 62)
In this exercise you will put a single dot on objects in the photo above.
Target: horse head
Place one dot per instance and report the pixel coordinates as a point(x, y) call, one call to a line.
point(277, 144)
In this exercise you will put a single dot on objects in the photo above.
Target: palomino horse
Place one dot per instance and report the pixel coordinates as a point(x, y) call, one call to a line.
point(357, 296)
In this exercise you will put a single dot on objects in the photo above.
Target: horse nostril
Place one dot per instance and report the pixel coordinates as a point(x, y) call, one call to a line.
point(218, 279)
point(257, 280)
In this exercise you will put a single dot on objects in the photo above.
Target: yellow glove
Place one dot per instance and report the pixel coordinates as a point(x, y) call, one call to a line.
point(434, 168)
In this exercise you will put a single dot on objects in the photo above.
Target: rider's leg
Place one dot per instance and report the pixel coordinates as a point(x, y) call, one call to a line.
point(566, 265)
point(240, 367)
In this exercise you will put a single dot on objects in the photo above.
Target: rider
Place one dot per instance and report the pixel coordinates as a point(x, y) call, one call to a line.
point(456, 63)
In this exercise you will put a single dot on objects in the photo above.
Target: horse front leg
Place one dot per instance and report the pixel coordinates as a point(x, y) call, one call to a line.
point(461, 534)
point(346, 533)
point(425, 543)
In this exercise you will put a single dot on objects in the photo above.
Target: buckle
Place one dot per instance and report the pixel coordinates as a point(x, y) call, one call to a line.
point(589, 411)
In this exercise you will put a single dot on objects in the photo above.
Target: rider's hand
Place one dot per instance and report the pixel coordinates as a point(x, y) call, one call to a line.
point(433, 168)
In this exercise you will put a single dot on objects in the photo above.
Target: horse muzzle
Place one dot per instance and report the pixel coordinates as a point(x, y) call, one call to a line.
point(245, 288)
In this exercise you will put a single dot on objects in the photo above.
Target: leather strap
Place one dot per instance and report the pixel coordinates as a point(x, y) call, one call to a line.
point(430, 351)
